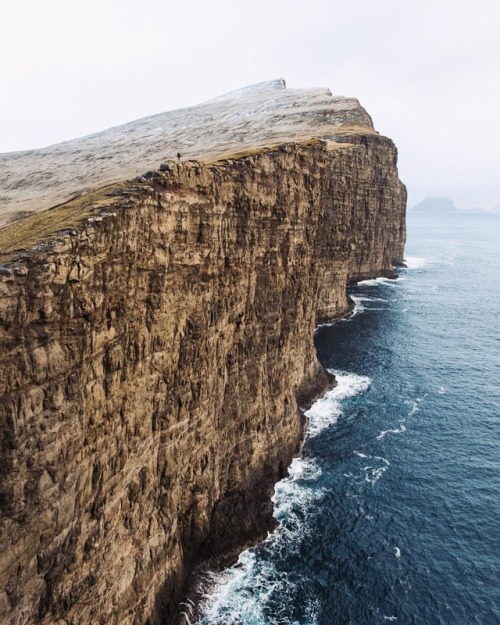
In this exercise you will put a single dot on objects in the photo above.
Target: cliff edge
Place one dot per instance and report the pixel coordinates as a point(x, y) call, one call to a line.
point(156, 347)
point(258, 116)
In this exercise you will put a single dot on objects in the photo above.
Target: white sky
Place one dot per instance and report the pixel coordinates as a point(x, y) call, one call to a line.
point(427, 71)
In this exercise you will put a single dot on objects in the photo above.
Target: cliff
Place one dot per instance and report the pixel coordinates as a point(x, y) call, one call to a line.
point(155, 352)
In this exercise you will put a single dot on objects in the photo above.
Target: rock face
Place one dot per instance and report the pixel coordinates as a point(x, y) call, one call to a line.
point(153, 363)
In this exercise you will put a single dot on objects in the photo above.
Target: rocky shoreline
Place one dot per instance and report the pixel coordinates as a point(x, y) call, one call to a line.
point(199, 581)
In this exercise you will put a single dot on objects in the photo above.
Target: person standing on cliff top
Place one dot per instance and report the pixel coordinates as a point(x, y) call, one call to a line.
point(178, 156)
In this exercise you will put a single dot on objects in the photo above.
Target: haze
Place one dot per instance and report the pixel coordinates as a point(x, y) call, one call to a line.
point(427, 72)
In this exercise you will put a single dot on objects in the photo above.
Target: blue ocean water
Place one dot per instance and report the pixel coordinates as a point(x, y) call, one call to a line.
point(393, 512)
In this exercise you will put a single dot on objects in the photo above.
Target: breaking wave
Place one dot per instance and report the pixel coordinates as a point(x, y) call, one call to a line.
point(240, 594)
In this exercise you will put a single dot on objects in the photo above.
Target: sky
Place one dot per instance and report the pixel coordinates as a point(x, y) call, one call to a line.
point(428, 71)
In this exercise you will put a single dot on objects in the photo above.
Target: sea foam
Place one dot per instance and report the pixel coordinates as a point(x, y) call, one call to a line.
point(239, 594)
point(327, 410)
point(379, 281)
point(400, 430)
point(415, 262)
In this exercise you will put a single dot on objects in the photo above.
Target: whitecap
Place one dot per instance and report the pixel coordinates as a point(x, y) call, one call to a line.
point(358, 306)
point(297, 488)
point(377, 281)
point(414, 262)
point(356, 310)
point(360, 455)
point(367, 298)
point(415, 406)
point(240, 593)
point(384, 433)
point(326, 410)
point(373, 474)
point(229, 598)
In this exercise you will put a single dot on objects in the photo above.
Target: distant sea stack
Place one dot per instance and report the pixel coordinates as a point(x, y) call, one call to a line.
point(435, 206)
point(156, 338)
point(445, 207)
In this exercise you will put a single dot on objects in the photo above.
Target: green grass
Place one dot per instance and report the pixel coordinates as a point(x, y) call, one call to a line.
point(27, 232)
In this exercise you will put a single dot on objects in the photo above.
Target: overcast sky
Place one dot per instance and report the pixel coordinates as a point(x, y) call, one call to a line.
point(428, 71)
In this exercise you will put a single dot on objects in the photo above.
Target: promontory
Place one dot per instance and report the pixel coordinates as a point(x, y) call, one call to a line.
point(160, 283)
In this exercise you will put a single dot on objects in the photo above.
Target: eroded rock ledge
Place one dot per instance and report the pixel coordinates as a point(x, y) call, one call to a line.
point(152, 363)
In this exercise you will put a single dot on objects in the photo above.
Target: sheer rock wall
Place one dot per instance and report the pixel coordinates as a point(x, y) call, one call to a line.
point(153, 363)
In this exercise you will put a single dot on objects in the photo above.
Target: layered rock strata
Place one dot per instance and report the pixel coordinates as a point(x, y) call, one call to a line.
point(153, 363)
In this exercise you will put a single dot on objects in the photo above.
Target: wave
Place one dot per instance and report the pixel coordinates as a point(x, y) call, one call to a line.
point(327, 410)
point(415, 406)
point(358, 306)
point(366, 298)
point(357, 309)
point(378, 281)
point(415, 262)
point(372, 474)
point(358, 300)
point(239, 594)
point(296, 488)
point(384, 433)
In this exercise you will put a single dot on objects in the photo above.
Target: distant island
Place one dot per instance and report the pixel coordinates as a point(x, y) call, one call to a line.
point(443, 206)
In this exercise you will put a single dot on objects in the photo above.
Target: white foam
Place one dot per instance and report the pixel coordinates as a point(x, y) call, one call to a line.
point(414, 262)
point(373, 473)
point(296, 488)
point(357, 309)
point(229, 599)
point(358, 306)
point(400, 430)
point(240, 593)
point(378, 281)
point(360, 455)
point(366, 298)
point(326, 410)
point(415, 406)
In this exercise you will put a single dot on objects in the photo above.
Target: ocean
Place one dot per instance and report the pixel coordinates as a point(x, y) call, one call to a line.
point(392, 514)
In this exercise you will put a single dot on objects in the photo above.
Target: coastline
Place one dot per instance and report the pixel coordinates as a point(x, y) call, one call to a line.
point(204, 576)
point(200, 580)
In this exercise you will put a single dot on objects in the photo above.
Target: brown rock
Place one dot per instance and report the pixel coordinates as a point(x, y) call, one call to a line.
point(152, 366)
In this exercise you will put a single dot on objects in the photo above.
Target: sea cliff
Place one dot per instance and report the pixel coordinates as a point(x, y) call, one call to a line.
point(156, 353)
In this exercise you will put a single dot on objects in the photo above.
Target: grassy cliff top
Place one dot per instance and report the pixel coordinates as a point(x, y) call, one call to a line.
point(252, 118)
point(33, 228)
